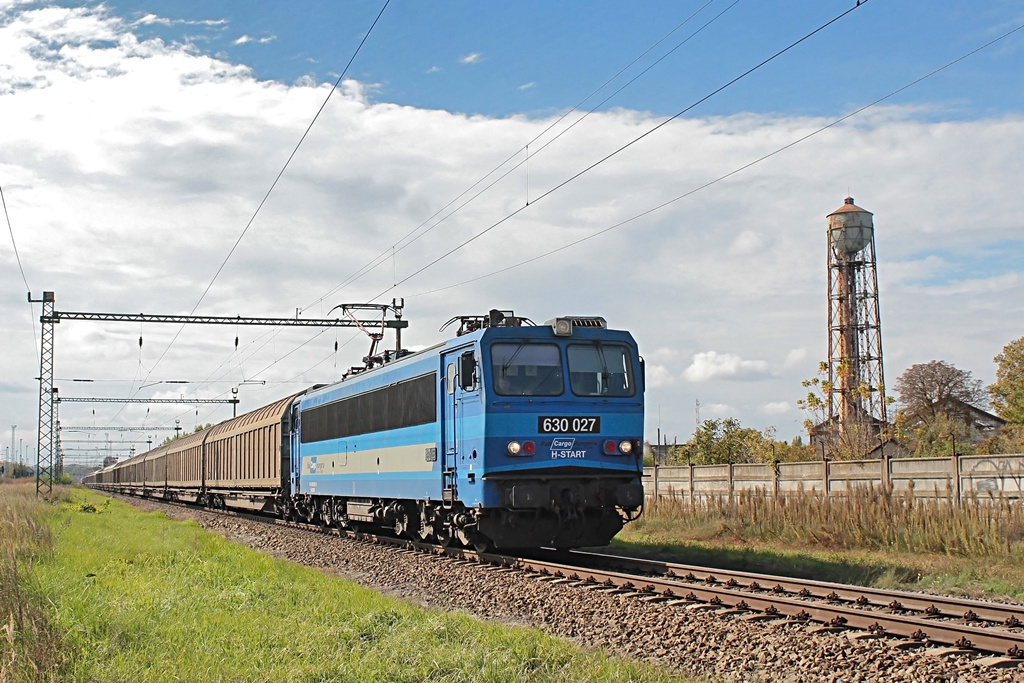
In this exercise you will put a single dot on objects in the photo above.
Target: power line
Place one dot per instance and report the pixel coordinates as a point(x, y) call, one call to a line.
point(17, 256)
point(860, 3)
point(373, 263)
point(382, 257)
point(730, 173)
point(274, 184)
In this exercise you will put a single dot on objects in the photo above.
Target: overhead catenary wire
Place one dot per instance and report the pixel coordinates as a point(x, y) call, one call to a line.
point(609, 156)
point(273, 185)
point(380, 258)
point(578, 174)
point(271, 188)
point(730, 174)
point(612, 154)
point(17, 256)
point(392, 251)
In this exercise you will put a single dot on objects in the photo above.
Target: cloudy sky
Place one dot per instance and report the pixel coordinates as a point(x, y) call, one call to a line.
point(138, 139)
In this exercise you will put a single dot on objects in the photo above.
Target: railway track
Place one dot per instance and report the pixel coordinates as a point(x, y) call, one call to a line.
point(919, 618)
point(938, 625)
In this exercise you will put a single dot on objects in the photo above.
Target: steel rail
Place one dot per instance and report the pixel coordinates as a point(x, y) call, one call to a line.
point(932, 605)
point(959, 635)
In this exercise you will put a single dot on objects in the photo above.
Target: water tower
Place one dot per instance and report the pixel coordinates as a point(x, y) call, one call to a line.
point(856, 400)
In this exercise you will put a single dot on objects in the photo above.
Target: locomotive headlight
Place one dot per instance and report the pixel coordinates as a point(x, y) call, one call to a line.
point(626, 447)
point(514, 448)
point(562, 327)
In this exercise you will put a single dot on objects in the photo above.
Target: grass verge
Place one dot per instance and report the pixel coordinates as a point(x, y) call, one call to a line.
point(872, 539)
point(29, 645)
point(136, 597)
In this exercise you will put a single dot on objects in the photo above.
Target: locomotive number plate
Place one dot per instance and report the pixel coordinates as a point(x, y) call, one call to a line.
point(569, 425)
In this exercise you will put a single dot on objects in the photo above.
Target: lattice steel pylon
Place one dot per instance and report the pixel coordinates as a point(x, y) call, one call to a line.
point(48, 439)
point(45, 442)
point(856, 393)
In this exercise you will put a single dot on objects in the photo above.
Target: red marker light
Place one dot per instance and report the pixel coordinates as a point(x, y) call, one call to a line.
point(609, 447)
point(528, 448)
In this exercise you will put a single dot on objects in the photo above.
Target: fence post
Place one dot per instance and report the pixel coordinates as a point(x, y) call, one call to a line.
point(656, 496)
point(886, 473)
point(775, 478)
point(824, 477)
point(956, 479)
point(732, 484)
point(691, 483)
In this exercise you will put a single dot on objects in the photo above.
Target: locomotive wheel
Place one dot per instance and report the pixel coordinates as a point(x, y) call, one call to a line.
point(443, 537)
point(326, 512)
point(481, 543)
point(401, 523)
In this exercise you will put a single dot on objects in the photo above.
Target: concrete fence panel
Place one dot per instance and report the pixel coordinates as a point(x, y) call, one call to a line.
point(992, 475)
point(989, 477)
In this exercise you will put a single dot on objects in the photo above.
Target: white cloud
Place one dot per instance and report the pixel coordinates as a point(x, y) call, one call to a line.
point(663, 354)
point(130, 167)
point(658, 376)
point(747, 243)
point(794, 357)
point(717, 410)
point(433, 70)
point(527, 86)
point(471, 58)
point(151, 19)
point(777, 408)
point(245, 38)
point(710, 365)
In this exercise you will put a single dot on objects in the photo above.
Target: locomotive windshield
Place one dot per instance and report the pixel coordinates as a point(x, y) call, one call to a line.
point(600, 370)
point(527, 369)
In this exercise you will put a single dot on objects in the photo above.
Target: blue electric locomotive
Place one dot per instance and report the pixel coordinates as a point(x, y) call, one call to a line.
point(508, 435)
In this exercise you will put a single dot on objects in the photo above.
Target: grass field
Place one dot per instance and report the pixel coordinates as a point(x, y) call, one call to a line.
point(975, 550)
point(119, 595)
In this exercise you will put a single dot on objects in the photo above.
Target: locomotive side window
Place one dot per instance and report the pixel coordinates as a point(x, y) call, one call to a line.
point(600, 370)
point(406, 404)
point(526, 370)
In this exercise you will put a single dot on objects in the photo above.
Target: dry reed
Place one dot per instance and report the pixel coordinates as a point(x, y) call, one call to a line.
point(866, 518)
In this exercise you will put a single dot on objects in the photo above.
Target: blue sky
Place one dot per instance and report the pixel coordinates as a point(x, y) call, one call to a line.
point(139, 137)
point(542, 56)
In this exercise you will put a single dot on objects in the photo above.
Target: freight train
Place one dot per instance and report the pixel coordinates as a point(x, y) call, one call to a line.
point(508, 435)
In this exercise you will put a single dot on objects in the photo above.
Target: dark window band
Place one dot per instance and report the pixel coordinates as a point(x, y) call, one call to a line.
point(406, 404)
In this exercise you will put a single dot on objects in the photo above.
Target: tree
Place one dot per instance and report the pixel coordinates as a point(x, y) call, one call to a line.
point(936, 437)
point(727, 441)
point(935, 388)
point(837, 441)
point(1008, 391)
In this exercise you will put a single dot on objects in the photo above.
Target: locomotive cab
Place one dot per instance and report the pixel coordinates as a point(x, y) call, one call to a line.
point(545, 425)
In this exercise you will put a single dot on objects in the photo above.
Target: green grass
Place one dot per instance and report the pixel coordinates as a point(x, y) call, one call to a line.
point(137, 597)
